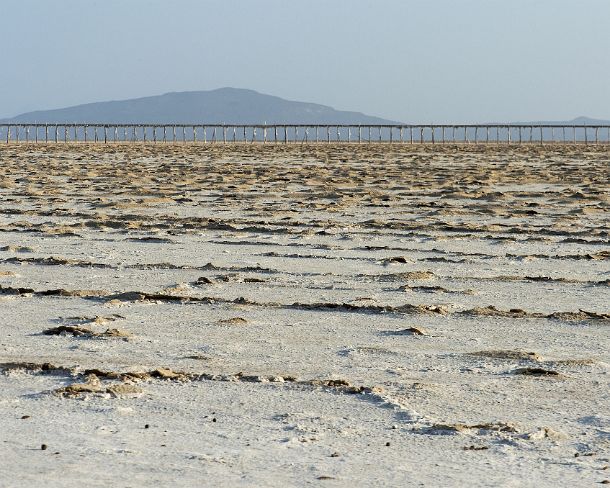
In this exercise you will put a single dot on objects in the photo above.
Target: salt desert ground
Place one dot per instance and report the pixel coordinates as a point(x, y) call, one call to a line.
point(304, 315)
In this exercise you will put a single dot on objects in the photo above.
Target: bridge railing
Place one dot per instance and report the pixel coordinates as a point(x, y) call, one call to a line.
point(304, 133)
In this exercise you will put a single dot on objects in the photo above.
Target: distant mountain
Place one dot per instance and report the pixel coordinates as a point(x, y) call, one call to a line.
point(224, 105)
point(239, 106)
point(576, 121)
point(589, 121)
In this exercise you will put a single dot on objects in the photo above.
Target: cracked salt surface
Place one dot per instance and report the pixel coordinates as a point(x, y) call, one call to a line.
point(248, 315)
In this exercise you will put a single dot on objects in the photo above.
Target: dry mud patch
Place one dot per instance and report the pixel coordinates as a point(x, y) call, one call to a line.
point(289, 315)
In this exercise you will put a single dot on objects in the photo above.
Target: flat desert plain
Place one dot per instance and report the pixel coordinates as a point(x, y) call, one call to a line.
point(304, 315)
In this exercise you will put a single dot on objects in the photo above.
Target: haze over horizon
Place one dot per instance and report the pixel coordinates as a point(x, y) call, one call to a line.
point(442, 61)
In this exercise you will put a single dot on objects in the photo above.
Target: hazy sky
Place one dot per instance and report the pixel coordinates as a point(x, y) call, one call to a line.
point(407, 60)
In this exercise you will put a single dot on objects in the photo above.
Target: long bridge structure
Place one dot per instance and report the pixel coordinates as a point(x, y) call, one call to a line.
point(303, 133)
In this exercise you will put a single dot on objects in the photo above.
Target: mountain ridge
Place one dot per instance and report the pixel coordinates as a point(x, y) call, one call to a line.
point(222, 105)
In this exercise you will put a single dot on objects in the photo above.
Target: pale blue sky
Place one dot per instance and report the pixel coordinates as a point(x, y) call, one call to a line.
point(407, 60)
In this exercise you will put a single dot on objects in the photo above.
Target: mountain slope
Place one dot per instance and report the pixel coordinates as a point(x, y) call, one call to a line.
point(224, 105)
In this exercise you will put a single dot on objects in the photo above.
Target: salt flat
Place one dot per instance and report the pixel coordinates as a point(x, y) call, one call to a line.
point(295, 315)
